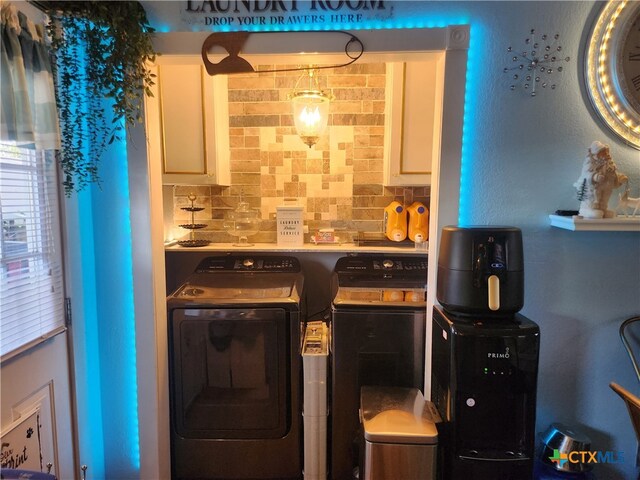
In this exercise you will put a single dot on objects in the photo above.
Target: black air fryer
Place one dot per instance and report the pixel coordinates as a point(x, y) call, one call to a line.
point(481, 271)
point(485, 357)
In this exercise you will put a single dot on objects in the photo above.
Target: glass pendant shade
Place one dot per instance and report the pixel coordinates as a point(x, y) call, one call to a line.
point(310, 114)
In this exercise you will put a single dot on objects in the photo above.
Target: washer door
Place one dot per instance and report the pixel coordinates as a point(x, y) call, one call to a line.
point(228, 373)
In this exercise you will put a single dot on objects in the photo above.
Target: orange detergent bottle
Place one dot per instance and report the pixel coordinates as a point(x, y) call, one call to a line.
point(418, 222)
point(395, 222)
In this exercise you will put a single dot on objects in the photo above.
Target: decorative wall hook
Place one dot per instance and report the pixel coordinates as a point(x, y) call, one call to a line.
point(233, 42)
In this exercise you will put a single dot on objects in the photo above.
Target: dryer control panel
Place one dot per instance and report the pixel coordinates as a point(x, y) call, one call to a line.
point(379, 264)
point(252, 263)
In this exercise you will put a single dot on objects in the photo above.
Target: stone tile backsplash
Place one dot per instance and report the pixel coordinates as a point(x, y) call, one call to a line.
point(338, 181)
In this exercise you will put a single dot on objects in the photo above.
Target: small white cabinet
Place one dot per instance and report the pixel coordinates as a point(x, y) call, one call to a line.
point(188, 122)
point(413, 120)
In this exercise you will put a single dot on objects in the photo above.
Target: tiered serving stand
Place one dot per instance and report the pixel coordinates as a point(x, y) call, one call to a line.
point(193, 226)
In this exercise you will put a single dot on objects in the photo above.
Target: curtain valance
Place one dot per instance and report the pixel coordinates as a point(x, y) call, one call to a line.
point(28, 112)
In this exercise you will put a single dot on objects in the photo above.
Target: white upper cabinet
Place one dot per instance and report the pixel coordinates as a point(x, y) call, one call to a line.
point(188, 122)
point(413, 120)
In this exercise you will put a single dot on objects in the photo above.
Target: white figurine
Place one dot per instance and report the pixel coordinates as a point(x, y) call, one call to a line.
point(626, 202)
point(598, 179)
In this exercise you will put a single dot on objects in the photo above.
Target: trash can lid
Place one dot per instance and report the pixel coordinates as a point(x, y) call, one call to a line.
point(398, 415)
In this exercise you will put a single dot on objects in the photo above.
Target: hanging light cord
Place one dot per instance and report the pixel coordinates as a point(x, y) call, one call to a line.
point(353, 42)
point(313, 79)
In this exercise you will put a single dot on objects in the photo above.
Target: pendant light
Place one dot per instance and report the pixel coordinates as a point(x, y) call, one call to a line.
point(310, 105)
point(310, 108)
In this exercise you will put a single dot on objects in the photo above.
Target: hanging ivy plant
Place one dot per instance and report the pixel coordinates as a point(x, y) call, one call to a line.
point(100, 50)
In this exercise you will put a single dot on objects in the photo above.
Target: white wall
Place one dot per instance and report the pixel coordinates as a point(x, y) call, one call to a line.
point(524, 155)
point(579, 286)
point(100, 287)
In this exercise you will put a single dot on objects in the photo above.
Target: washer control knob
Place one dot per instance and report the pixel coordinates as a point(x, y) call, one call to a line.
point(248, 262)
point(387, 263)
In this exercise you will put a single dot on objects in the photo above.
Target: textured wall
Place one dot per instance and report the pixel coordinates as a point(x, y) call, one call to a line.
point(523, 156)
point(338, 181)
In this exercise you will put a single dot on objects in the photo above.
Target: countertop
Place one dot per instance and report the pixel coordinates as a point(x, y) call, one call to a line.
point(406, 249)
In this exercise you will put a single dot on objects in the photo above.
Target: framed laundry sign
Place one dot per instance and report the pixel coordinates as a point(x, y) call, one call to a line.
point(21, 447)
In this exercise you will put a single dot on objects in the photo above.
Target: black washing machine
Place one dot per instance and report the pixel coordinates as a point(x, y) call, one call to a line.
point(234, 369)
point(377, 338)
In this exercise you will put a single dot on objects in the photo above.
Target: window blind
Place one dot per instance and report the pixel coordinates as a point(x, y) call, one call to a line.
point(31, 282)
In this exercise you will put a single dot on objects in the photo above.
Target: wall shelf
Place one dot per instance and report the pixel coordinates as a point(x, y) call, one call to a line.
point(578, 223)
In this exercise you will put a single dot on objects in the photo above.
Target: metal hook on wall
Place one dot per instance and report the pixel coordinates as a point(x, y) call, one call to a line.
point(233, 42)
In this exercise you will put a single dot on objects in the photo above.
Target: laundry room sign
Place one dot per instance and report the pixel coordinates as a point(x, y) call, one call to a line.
point(290, 225)
point(281, 13)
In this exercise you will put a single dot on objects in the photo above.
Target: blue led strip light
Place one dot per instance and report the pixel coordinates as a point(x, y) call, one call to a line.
point(469, 129)
point(107, 348)
point(130, 374)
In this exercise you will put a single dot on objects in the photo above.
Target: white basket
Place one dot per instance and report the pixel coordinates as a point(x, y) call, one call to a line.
point(290, 223)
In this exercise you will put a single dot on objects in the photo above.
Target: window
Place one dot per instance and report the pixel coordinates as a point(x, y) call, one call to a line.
point(31, 284)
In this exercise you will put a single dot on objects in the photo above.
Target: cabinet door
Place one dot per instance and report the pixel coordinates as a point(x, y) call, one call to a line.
point(413, 121)
point(187, 120)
